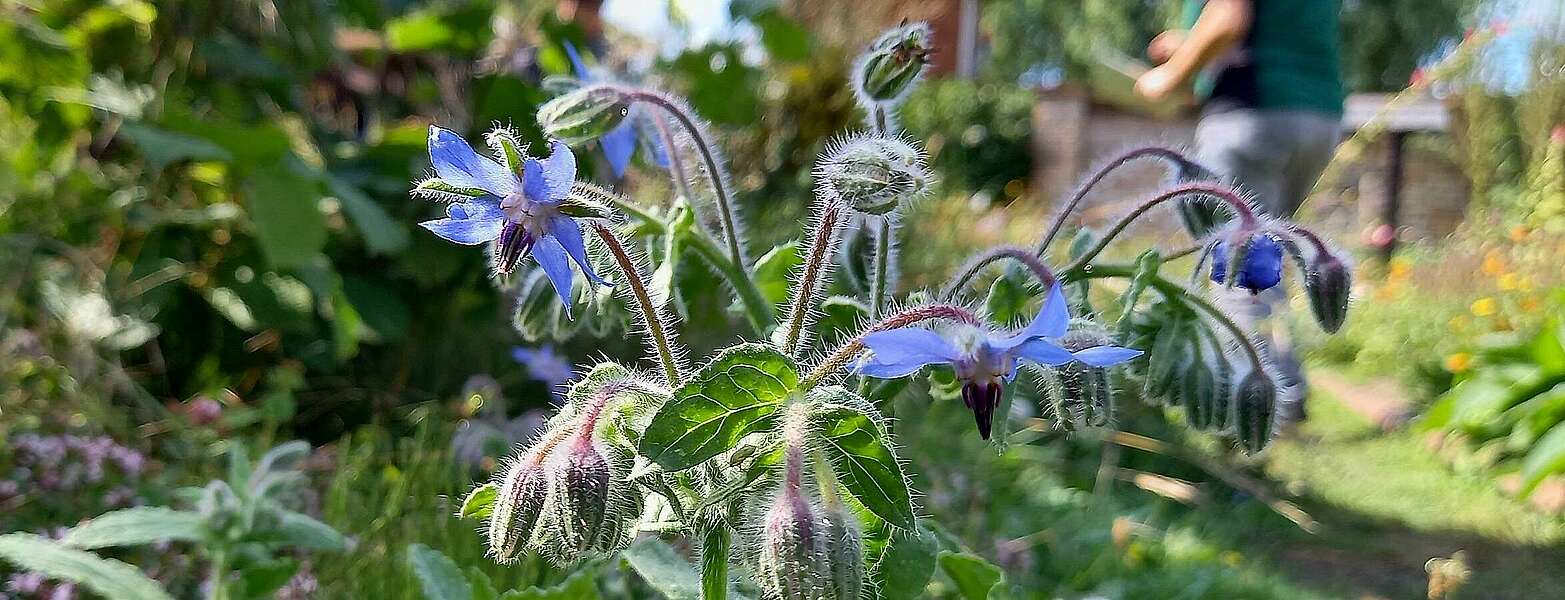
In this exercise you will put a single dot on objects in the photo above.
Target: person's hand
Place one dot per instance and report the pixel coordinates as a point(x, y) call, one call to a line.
point(1162, 47)
point(1159, 83)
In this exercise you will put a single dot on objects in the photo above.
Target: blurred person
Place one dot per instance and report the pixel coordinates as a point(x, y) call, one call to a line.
point(1269, 75)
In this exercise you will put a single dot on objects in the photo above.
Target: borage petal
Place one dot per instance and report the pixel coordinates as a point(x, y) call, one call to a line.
point(898, 352)
point(618, 144)
point(457, 164)
point(559, 171)
point(465, 231)
point(568, 234)
point(1051, 321)
point(482, 207)
point(1105, 356)
point(552, 258)
point(1042, 352)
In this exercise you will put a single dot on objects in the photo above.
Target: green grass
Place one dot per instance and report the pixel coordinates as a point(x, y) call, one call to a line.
point(1387, 504)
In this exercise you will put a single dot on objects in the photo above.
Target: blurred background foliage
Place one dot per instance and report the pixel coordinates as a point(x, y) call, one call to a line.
point(205, 234)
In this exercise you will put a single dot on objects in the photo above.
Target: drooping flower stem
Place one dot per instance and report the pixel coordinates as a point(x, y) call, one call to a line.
point(658, 335)
point(676, 163)
point(1166, 153)
point(1223, 193)
point(813, 277)
point(714, 171)
point(917, 314)
point(882, 279)
point(1042, 272)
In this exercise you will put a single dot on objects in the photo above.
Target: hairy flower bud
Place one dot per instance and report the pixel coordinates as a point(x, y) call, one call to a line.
point(582, 478)
point(1200, 215)
point(873, 174)
point(517, 507)
point(893, 64)
point(1255, 411)
point(1087, 394)
point(845, 552)
point(1328, 283)
point(583, 114)
point(793, 563)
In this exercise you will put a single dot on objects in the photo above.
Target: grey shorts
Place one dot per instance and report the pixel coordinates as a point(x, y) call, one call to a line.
point(1277, 154)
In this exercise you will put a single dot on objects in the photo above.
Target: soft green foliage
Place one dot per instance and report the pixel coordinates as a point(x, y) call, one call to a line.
point(110, 578)
point(978, 134)
point(736, 394)
point(135, 526)
point(860, 447)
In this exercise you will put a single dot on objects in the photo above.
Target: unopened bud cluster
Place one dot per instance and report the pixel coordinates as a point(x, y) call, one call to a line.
point(892, 65)
point(810, 545)
point(583, 114)
point(567, 497)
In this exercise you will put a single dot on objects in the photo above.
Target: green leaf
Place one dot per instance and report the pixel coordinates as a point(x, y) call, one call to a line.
point(263, 579)
point(162, 147)
point(106, 577)
point(974, 577)
point(383, 235)
point(135, 526)
point(577, 587)
point(302, 531)
point(784, 39)
point(1008, 297)
point(908, 564)
point(861, 450)
point(772, 269)
point(483, 587)
point(663, 569)
point(419, 31)
point(437, 574)
point(284, 208)
point(738, 393)
point(479, 503)
point(1546, 458)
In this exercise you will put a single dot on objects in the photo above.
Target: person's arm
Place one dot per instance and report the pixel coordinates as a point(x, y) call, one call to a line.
point(1222, 25)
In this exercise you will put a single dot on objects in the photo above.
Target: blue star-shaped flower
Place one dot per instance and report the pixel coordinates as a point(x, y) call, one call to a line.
point(1262, 268)
point(983, 360)
point(520, 215)
point(621, 141)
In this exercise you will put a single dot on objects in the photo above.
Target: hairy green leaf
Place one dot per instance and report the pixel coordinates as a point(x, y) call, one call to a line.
point(860, 448)
point(437, 574)
point(736, 394)
point(907, 565)
point(108, 578)
point(975, 578)
point(479, 503)
point(135, 526)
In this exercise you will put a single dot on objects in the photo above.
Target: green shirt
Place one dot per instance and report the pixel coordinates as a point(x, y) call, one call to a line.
point(1289, 60)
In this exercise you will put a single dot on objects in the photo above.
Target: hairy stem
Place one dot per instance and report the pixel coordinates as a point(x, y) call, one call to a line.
point(658, 335)
point(676, 163)
point(1042, 272)
point(714, 171)
point(816, 269)
point(757, 310)
point(903, 318)
point(1223, 193)
point(878, 292)
point(1081, 192)
point(714, 561)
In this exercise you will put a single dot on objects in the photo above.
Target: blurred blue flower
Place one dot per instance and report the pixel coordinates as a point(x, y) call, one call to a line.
point(983, 360)
point(519, 214)
point(619, 143)
point(544, 364)
point(1262, 268)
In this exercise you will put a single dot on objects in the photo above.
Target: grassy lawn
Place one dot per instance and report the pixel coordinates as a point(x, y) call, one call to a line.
point(1387, 504)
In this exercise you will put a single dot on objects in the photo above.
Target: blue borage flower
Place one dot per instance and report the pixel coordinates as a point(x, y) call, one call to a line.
point(1262, 263)
point(983, 360)
point(519, 214)
point(621, 141)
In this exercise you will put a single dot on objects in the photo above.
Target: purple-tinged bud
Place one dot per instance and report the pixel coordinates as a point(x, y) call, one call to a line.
point(873, 174)
point(893, 64)
point(1255, 411)
point(1200, 215)
point(583, 114)
point(583, 479)
point(518, 504)
point(1328, 283)
point(1257, 262)
point(793, 563)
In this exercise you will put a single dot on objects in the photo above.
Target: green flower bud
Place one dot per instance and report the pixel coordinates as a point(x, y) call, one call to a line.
point(1328, 283)
point(845, 552)
point(893, 64)
point(517, 507)
point(1201, 215)
point(873, 174)
point(1255, 411)
point(583, 114)
point(793, 563)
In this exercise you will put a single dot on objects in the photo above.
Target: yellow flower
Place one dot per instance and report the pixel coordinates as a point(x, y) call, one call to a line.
point(1519, 233)
point(1484, 307)
point(1459, 362)
point(1493, 263)
point(1510, 281)
point(1530, 304)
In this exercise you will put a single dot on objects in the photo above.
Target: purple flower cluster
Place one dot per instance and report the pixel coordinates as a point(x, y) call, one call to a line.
point(66, 463)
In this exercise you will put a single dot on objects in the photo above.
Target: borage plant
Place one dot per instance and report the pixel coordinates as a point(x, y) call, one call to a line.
point(780, 445)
